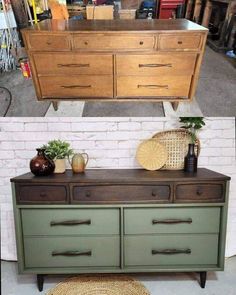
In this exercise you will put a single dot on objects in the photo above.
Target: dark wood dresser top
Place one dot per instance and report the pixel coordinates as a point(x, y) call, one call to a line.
point(117, 26)
point(123, 176)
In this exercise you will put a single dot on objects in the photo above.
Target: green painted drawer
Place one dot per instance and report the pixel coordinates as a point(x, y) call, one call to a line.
point(188, 220)
point(104, 251)
point(203, 248)
point(70, 221)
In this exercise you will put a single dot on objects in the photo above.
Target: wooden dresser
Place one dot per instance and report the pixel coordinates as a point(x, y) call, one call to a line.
point(120, 221)
point(118, 60)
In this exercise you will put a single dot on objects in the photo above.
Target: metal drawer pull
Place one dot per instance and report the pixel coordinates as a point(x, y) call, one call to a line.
point(72, 253)
point(153, 86)
point(76, 86)
point(171, 251)
point(73, 65)
point(154, 65)
point(171, 221)
point(70, 222)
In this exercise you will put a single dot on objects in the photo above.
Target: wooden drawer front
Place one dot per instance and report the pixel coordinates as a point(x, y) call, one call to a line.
point(151, 250)
point(71, 251)
point(153, 86)
point(80, 86)
point(172, 220)
point(181, 42)
point(68, 63)
point(158, 64)
point(40, 42)
point(101, 42)
point(121, 193)
point(199, 192)
point(70, 221)
point(41, 193)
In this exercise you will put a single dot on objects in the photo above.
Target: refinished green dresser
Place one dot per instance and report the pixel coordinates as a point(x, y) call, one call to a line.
point(120, 221)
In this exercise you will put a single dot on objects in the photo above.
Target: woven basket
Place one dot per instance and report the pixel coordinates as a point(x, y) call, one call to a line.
point(99, 285)
point(176, 142)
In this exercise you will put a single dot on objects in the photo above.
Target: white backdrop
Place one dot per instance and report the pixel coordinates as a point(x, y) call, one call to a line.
point(110, 143)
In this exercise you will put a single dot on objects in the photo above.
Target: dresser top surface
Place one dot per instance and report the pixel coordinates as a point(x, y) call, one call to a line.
point(116, 26)
point(123, 176)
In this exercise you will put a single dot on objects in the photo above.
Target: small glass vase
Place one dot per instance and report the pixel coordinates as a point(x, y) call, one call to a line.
point(190, 160)
point(41, 165)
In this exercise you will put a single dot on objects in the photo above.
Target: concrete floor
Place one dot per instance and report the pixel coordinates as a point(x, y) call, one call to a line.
point(215, 96)
point(218, 283)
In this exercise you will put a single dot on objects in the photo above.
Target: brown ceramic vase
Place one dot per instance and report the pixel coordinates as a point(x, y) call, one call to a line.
point(41, 165)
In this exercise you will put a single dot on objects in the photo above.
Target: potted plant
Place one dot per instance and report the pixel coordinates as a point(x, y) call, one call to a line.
point(58, 151)
point(193, 124)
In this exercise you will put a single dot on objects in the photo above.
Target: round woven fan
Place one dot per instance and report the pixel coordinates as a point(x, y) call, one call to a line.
point(176, 143)
point(151, 154)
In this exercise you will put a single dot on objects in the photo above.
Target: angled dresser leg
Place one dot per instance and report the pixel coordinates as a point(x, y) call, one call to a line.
point(175, 105)
point(55, 105)
point(203, 276)
point(40, 281)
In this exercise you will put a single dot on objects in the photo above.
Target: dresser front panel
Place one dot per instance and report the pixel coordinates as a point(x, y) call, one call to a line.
point(200, 249)
point(72, 252)
point(179, 41)
point(66, 222)
point(121, 193)
point(49, 42)
point(171, 220)
point(73, 64)
point(76, 86)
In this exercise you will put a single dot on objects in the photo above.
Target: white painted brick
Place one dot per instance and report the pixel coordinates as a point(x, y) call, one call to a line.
point(25, 154)
point(36, 127)
point(127, 126)
point(83, 144)
point(229, 152)
point(6, 155)
point(12, 145)
point(222, 124)
point(12, 127)
point(96, 126)
point(222, 142)
point(208, 133)
point(59, 127)
point(220, 161)
point(153, 126)
point(210, 152)
point(105, 144)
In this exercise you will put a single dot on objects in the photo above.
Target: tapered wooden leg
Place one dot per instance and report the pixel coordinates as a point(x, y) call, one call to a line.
point(175, 105)
point(40, 281)
point(55, 105)
point(203, 276)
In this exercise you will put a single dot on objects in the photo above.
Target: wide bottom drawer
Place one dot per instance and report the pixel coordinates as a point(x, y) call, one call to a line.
point(153, 86)
point(71, 251)
point(160, 250)
point(76, 86)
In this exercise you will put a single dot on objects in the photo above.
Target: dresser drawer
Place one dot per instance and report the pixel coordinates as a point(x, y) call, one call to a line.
point(113, 42)
point(171, 220)
point(70, 221)
point(158, 64)
point(72, 252)
point(179, 42)
point(202, 192)
point(41, 193)
point(153, 86)
point(164, 250)
point(76, 86)
point(121, 193)
point(41, 42)
point(73, 63)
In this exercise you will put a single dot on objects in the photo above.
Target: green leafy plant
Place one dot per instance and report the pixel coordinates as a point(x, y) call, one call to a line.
point(193, 124)
point(57, 149)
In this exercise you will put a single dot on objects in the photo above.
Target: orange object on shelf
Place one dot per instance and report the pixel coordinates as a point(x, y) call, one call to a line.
point(58, 10)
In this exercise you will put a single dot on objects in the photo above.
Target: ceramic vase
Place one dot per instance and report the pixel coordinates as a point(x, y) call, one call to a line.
point(190, 161)
point(41, 165)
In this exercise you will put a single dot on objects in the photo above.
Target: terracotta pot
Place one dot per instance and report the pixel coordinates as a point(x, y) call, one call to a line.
point(41, 165)
point(60, 165)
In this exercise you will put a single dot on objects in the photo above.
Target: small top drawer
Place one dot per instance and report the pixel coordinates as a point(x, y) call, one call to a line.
point(171, 220)
point(181, 42)
point(121, 193)
point(41, 42)
point(114, 42)
point(200, 192)
point(41, 194)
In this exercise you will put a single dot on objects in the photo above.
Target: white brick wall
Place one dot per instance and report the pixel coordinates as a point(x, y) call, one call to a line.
point(111, 143)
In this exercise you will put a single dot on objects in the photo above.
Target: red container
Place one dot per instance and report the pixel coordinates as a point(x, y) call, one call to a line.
point(25, 68)
point(167, 8)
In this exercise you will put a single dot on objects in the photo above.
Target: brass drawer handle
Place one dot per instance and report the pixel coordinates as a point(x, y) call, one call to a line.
point(153, 86)
point(154, 65)
point(141, 42)
point(73, 65)
point(72, 253)
point(171, 251)
point(76, 86)
point(70, 222)
point(171, 221)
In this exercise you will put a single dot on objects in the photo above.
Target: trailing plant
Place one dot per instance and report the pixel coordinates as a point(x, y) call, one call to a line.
point(57, 149)
point(193, 124)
